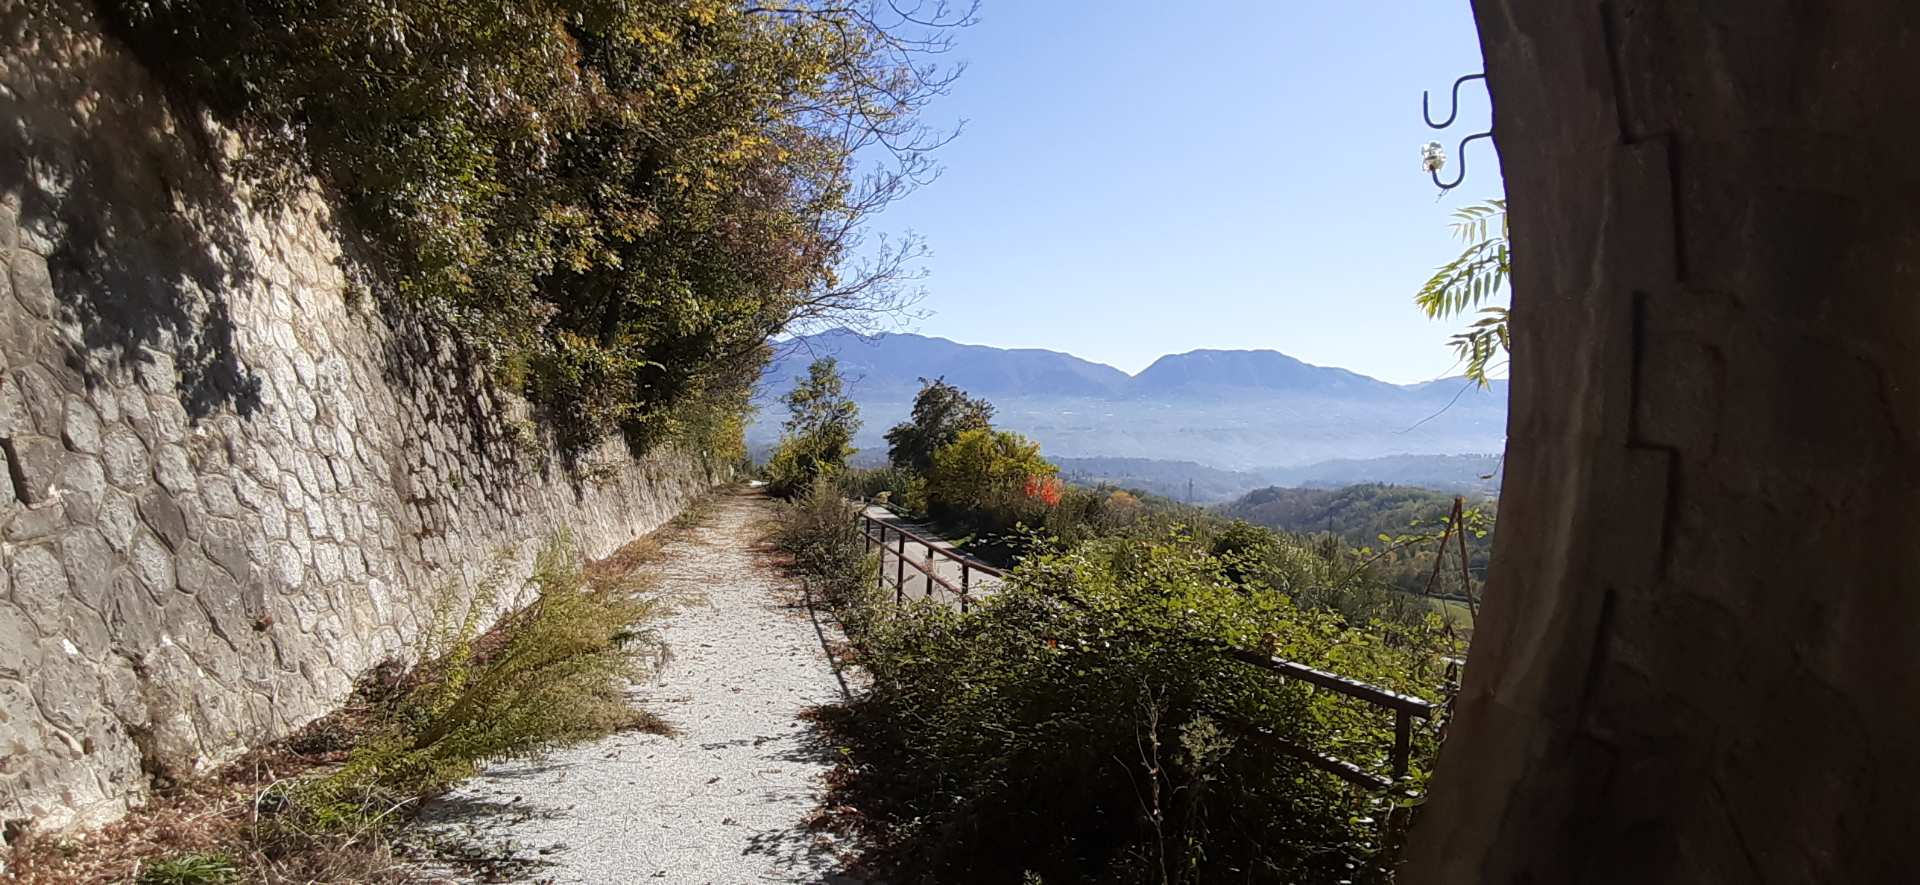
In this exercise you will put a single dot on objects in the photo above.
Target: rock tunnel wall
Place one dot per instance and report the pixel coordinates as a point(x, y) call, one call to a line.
point(1700, 650)
point(232, 483)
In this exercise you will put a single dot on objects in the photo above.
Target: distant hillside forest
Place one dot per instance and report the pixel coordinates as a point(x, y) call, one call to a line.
point(1473, 475)
point(1183, 481)
point(1391, 521)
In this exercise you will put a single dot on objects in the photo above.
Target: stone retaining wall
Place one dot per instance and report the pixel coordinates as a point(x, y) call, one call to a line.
point(233, 483)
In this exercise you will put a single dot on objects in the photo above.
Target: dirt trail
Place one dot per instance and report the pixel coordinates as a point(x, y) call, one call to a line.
point(725, 801)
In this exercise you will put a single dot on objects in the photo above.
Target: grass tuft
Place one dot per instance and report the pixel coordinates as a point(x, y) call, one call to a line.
point(693, 514)
point(191, 869)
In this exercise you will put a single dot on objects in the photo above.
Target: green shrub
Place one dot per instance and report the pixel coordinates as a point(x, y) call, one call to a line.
point(818, 531)
point(983, 474)
point(994, 486)
point(797, 463)
point(897, 486)
point(1084, 514)
point(1077, 724)
point(819, 431)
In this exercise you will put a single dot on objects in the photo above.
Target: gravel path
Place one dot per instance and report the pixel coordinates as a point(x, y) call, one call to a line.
point(727, 800)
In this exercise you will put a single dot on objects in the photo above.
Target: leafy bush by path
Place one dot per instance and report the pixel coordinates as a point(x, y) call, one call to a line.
point(1079, 725)
point(818, 531)
point(817, 438)
point(987, 477)
point(896, 486)
point(797, 462)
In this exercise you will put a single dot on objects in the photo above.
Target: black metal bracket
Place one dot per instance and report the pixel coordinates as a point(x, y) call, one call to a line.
point(1453, 112)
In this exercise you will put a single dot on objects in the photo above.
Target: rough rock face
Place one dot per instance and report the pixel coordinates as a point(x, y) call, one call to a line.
point(231, 483)
point(1697, 661)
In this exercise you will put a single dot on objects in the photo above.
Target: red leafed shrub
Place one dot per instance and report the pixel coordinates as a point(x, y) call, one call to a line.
point(1045, 489)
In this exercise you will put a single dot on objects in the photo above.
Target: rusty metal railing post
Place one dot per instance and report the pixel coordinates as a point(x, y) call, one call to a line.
point(900, 572)
point(930, 569)
point(1402, 743)
point(893, 541)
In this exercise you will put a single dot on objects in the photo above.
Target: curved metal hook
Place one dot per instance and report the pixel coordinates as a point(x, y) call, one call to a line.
point(1461, 152)
point(1426, 112)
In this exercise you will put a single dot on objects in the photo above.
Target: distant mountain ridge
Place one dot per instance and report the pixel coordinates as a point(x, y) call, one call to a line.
point(891, 361)
point(1259, 369)
point(1225, 409)
point(894, 362)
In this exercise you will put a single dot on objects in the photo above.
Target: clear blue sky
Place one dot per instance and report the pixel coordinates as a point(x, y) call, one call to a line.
point(1140, 177)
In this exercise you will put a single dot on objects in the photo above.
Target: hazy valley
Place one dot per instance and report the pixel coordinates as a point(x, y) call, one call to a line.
point(1228, 421)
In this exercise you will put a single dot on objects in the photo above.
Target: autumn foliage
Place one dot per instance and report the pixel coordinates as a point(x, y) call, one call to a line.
point(1047, 490)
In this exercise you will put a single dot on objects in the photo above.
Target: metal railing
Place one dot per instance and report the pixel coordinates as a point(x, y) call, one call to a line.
point(1406, 708)
point(928, 567)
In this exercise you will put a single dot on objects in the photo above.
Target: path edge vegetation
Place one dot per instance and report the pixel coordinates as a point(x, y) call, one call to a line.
point(1076, 725)
point(1090, 740)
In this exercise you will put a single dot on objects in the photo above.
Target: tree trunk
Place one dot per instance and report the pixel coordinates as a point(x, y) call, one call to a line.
point(1699, 657)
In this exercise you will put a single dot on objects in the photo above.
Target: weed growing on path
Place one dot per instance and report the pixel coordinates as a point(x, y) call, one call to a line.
point(551, 673)
point(692, 516)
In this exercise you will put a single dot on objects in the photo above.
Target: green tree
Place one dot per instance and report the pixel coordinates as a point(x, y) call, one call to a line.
point(821, 423)
point(1461, 285)
point(818, 406)
point(941, 412)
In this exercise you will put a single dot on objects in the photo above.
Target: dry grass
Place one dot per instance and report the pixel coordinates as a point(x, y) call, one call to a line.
point(628, 561)
point(217, 815)
point(698, 511)
point(649, 549)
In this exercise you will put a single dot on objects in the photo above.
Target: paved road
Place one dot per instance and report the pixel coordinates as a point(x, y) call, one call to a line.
point(727, 800)
point(915, 584)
